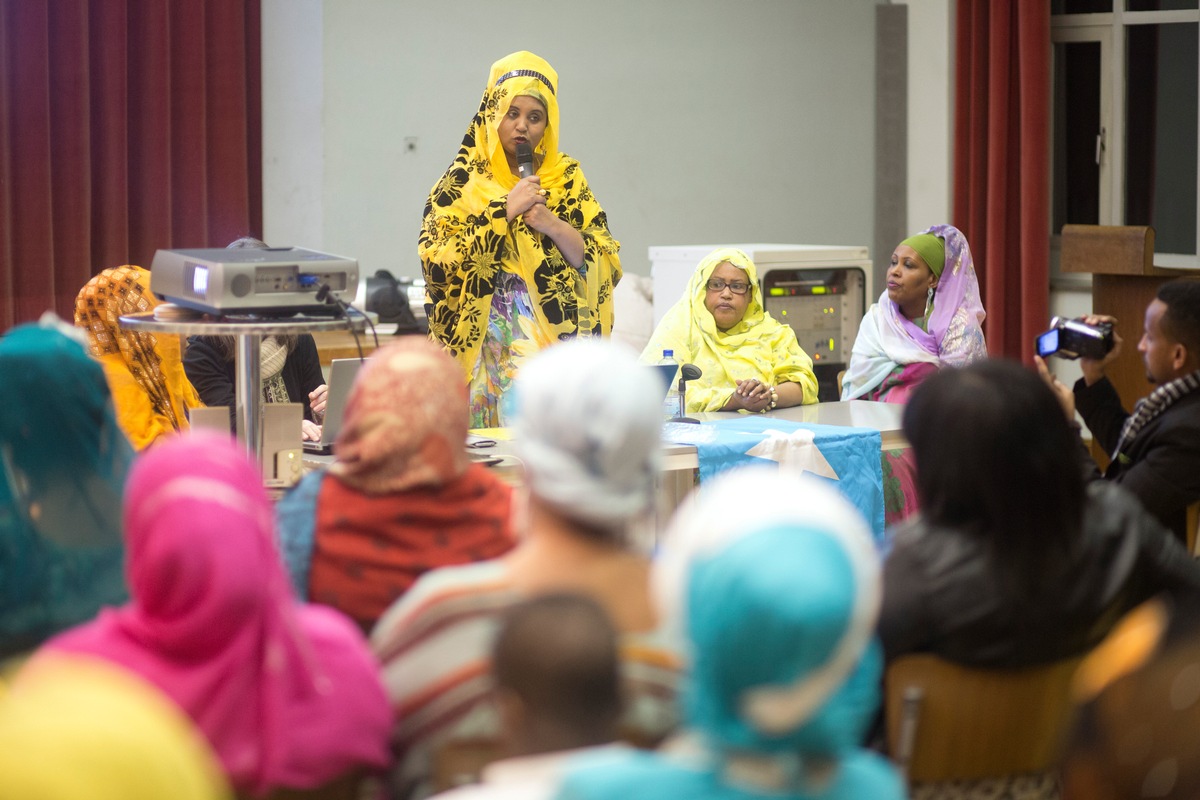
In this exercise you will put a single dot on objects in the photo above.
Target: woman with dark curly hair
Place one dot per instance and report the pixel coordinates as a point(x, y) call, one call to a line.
point(512, 262)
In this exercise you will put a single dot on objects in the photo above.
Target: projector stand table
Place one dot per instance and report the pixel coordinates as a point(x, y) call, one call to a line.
point(249, 333)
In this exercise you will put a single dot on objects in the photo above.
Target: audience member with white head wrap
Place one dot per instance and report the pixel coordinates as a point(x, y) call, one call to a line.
point(588, 427)
point(773, 582)
point(588, 432)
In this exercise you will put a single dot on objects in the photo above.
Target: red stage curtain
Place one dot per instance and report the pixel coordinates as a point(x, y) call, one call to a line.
point(1002, 163)
point(129, 126)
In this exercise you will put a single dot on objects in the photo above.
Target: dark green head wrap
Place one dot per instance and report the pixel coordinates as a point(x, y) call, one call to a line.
point(931, 248)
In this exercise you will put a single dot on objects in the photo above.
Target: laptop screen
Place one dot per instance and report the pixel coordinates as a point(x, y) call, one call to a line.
point(341, 377)
point(668, 374)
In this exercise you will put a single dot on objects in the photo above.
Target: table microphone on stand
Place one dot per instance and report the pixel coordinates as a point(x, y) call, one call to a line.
point(687, 372)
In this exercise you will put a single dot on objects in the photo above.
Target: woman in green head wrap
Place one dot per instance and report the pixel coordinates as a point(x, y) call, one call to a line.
point(928, 316)
point(63, 461)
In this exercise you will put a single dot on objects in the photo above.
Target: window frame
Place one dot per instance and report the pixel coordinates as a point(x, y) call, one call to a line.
point(1109, 29)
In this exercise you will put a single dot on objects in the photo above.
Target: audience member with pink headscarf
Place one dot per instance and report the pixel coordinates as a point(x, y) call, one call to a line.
point(403, 496)
point(287, 694)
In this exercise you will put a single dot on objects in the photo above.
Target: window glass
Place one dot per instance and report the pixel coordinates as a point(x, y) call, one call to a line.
point(1076, 125)
point(1161, 132)
point(1082, 6)
point(1161, 5)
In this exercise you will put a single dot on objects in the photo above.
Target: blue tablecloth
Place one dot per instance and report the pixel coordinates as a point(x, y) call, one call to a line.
point(849, 457)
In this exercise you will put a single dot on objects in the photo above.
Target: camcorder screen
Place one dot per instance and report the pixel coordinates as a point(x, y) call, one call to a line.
point(1047, 343)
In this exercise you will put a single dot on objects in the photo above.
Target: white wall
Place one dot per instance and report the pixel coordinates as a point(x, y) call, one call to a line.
point(293, 147)
point(930, 112)
point(695, 121)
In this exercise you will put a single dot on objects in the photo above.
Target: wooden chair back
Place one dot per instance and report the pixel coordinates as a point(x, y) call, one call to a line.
point(950, 722)
point(458, 762)
point(344, 788)
point(1193, 527)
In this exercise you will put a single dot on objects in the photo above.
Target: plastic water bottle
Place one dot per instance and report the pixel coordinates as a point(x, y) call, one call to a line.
point(671, 405)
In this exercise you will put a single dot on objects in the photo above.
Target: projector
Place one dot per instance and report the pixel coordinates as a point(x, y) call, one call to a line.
point(276, 281)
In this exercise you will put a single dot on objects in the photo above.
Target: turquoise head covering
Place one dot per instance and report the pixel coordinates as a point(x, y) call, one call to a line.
point(774, 583)
point(63, 462)
point(931, 249)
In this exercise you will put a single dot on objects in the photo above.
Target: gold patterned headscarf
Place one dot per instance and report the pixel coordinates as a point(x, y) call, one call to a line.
point(405, 420)
point(140, 366)
point(466, 239)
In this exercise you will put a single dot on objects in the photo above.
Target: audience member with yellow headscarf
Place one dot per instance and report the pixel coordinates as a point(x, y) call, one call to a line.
point(514, 264)
point(78, 727)
point(748, 360)
point(151, 393)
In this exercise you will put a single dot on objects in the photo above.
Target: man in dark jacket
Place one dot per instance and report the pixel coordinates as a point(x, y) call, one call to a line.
point(1155, 450)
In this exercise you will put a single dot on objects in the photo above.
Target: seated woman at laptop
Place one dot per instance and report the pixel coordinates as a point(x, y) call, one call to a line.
point(290, 369)
point(748, 361)
point(403, 496)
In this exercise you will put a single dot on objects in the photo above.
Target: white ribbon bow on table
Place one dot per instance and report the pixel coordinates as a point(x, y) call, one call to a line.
point(796, 450)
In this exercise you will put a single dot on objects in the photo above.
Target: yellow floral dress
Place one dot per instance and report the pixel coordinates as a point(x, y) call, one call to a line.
point(498, 291)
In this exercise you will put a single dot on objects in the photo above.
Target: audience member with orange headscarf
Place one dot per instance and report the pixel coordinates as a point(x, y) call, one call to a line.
point(403, 496)
point(151, 393)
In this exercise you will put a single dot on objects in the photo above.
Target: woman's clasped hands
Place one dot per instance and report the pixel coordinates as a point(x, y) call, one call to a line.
point(753, 395)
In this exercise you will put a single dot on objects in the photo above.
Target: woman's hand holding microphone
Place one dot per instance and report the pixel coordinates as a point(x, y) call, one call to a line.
point(526, 196)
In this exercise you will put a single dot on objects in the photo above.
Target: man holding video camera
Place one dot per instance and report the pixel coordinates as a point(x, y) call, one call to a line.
point(1155, 450)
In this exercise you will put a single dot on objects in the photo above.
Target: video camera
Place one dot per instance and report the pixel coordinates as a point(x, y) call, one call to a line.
point(1073, 338)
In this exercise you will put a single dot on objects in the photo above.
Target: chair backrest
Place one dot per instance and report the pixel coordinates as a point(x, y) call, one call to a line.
point(460, 761)
point(950, 722)
point(1193, 527)
point(346, 787)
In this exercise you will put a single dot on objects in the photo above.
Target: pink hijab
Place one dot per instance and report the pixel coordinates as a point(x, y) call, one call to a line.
point(288, 694)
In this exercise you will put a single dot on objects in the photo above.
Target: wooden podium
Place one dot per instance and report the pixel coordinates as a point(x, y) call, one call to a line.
point(1120, 259)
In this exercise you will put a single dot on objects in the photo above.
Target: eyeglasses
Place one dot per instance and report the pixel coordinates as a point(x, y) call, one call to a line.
point(737, 287)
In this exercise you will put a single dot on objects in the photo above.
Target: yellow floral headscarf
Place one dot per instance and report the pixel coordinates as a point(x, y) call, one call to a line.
point(757, 347)
point(151, 393)
point(75, 727)
point(466, 239)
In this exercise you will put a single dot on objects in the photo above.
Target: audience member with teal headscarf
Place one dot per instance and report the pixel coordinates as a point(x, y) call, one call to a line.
point(63, 462)
point(773, 582)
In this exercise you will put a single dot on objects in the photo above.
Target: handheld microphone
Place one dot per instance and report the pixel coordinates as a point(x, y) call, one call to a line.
point(524, 160)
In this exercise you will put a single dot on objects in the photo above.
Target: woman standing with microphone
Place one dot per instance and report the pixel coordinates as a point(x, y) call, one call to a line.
point(514, 262)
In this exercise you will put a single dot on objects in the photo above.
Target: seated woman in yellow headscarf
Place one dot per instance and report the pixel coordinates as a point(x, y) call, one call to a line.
point(512, 264)
point(151, 393)
point(748, 360)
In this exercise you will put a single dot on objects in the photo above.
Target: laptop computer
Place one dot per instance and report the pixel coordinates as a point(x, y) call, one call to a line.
point(341, 378)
